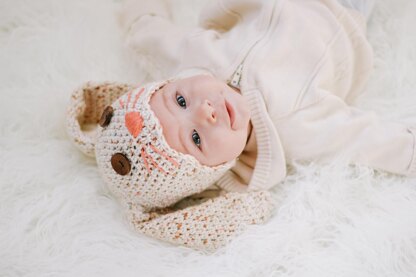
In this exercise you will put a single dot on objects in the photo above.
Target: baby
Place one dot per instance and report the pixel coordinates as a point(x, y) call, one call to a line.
point(148, 176)
point(258, 85)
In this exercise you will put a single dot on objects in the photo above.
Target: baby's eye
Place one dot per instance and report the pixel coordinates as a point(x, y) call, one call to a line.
point(196, 138)
point(181, 101)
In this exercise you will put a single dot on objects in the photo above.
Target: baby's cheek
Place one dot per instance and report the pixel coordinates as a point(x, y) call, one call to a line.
point(228, 145)
point(172, 139)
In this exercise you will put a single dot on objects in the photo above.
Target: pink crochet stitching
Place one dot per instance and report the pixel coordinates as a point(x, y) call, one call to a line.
point(134, 123)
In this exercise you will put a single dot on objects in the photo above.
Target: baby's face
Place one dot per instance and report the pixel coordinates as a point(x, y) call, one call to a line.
point(203, 117)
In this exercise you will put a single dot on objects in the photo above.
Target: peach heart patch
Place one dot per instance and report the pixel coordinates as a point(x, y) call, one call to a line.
point(134, 123)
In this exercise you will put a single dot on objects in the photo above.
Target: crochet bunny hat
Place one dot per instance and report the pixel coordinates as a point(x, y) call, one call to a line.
point(146, 174)
point(134, 157)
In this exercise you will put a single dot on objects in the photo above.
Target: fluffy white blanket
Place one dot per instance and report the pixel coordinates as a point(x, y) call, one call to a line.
point(58, 219)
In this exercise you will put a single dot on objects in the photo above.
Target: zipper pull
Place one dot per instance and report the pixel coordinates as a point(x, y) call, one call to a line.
point(236, 78)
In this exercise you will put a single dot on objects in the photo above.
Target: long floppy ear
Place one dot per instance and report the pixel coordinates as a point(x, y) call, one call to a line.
point(85, 110)
point(206, 226)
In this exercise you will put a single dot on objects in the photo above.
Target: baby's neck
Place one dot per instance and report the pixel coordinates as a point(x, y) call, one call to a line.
point(249, 131)
point(249, 154)
point(251, 144)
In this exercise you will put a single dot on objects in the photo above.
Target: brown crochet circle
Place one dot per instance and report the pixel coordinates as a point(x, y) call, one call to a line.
point(120, 164)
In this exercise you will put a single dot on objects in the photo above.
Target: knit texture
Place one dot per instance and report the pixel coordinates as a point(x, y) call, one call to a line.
point(85, 109)
point(210, 225)
point(160, 176)
point(148, 176)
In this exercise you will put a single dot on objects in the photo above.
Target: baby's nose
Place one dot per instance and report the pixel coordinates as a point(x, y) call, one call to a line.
point(207, 112)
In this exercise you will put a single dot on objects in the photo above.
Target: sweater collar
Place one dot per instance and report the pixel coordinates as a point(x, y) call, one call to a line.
point(270, 166)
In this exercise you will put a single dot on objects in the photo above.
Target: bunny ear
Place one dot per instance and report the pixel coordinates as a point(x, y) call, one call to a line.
point(206, 226)
point(85, 111)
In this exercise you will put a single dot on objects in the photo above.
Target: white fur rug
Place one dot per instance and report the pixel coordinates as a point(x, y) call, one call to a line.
point(58, 219)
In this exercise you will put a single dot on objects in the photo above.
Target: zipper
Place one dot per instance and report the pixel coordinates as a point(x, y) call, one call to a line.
point(236, 77)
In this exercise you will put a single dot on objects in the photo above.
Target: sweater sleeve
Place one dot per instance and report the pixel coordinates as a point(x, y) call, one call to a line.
point(133, 10)
point(151, 34)
point(331, 127)
point(206, 226)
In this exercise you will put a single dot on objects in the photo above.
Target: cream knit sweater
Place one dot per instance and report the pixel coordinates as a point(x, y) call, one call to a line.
point(302, 63)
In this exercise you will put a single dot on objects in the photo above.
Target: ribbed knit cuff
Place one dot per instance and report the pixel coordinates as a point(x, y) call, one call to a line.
point(270, 166)
point(412, 166)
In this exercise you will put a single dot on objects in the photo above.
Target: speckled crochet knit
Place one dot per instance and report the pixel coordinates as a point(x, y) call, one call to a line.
point(148, 176)
point(86, 107)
